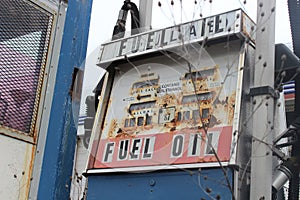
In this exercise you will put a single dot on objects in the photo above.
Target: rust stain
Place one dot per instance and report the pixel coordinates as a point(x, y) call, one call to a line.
point(200, 102)
point(250, 34)
point(148, 127)
point(125, 135)
point(16, 135)
point(35, 135)
point(168, 99)
point(112, 128)
point(231, 107)
point(14, 130)
point(29, 177)
point(173, 129)
point(27, 170)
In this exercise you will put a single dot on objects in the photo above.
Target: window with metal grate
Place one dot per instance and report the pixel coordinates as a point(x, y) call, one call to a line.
point(24, 39)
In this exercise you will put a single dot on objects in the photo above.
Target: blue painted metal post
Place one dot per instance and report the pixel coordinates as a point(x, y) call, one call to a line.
point(61, 137)
point(160, 185)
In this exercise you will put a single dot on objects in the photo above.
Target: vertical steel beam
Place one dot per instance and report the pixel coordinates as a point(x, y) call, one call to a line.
point(263, 122)
point(61, 135)
point(145, 7)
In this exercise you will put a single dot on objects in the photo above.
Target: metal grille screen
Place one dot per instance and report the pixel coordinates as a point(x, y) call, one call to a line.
point(24, 38)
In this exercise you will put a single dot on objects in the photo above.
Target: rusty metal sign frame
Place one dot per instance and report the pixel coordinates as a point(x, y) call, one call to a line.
point(100, 122)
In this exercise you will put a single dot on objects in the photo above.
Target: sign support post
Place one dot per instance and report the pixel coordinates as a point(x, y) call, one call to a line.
point(263, 102)
point(145, 7)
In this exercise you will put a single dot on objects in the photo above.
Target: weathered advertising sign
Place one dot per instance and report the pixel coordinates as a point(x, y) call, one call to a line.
point(230, 23)
point(169, 110)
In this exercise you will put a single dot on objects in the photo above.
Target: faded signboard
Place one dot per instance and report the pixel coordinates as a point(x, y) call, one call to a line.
point(168, 110)
point(226, 24)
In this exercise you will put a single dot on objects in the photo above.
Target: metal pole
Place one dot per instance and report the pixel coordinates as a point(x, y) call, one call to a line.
point(263, 103)
point(57, 166)
point(145, 7)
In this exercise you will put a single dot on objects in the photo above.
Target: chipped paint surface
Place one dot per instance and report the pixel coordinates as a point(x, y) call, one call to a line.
point(16, 167)
point(171, 111)
point(169, 37)
point(154, 105)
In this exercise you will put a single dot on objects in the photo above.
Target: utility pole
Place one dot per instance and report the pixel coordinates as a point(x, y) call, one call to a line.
point(145, 7)
point(263, 102)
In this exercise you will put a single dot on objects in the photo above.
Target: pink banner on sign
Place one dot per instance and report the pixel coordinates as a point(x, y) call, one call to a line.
point(179, 147)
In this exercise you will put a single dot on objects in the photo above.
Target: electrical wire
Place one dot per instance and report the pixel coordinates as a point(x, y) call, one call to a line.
point(184, 43)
